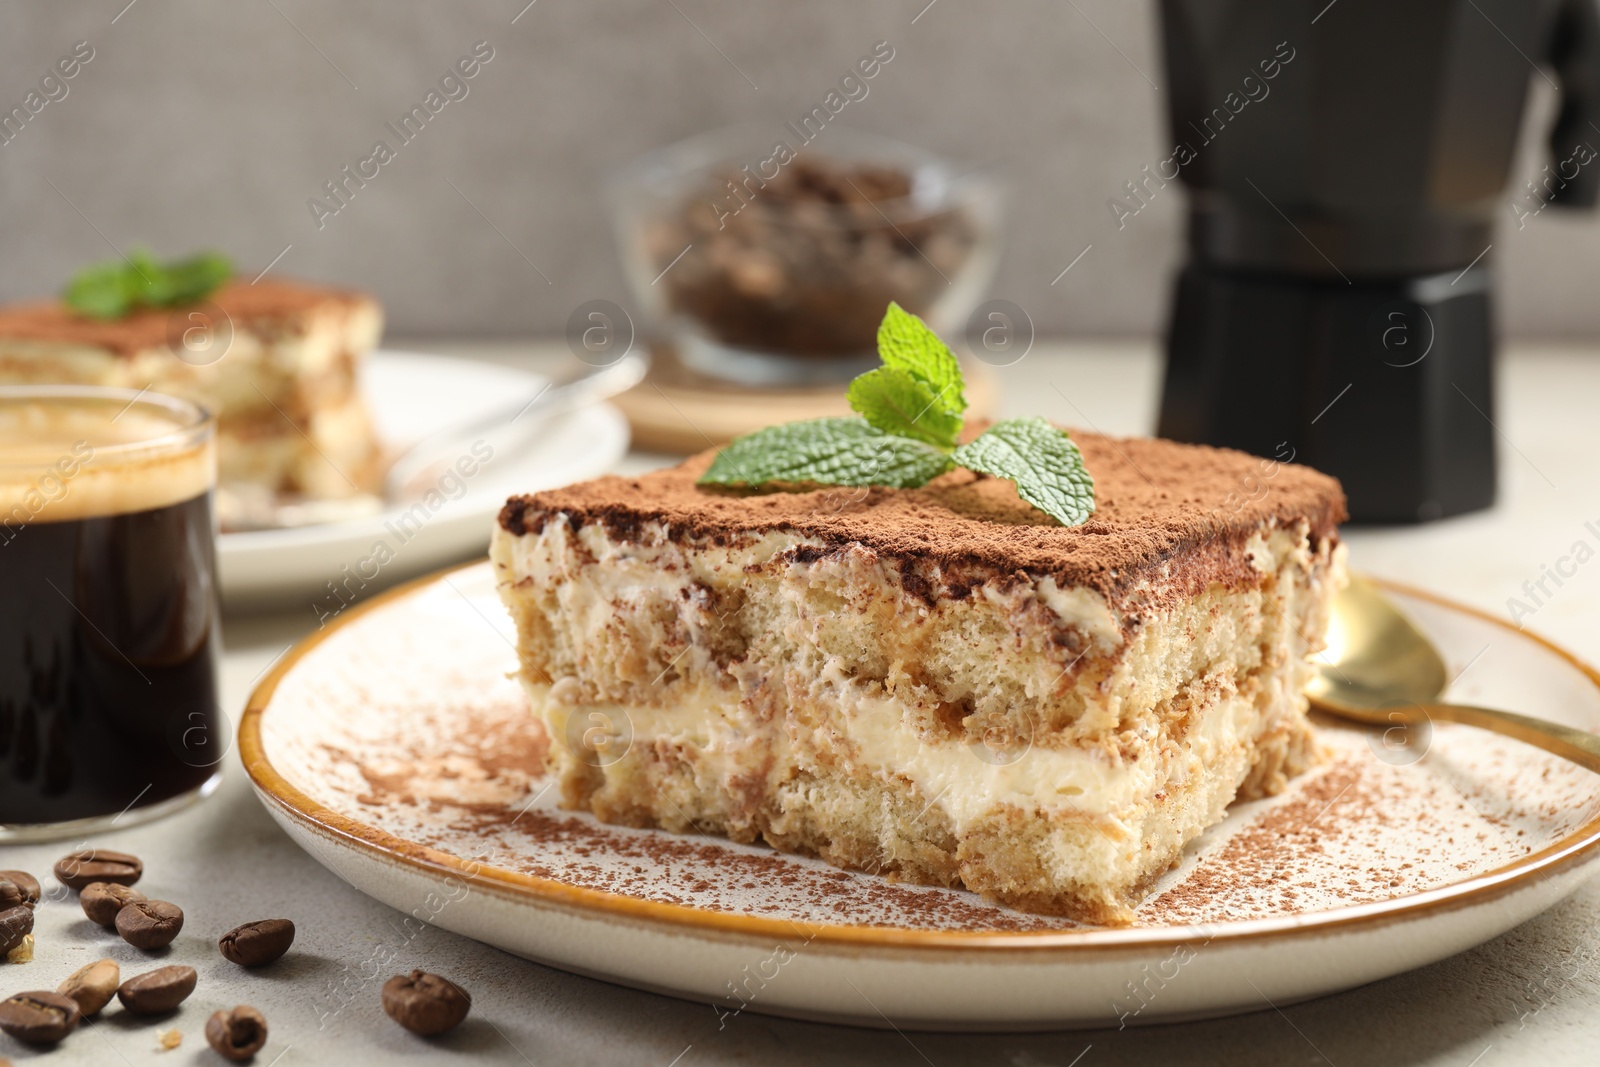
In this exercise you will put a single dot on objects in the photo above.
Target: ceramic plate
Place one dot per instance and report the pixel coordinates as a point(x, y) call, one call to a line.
point(411, 396)
point(394, 748)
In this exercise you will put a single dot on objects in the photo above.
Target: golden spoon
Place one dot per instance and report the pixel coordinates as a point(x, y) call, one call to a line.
point(1380, 669)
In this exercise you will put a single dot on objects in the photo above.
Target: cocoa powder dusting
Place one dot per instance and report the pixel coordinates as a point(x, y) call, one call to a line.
point(1168, 513)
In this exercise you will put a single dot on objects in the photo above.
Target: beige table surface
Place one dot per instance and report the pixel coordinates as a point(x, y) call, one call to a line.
point(1531, 996)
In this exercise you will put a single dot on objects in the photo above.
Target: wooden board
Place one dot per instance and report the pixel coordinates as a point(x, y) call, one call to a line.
point(681, 411)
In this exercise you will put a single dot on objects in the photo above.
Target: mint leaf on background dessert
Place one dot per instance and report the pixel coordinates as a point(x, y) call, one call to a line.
point(120, 287)
point(910, 422)
point(101, 291)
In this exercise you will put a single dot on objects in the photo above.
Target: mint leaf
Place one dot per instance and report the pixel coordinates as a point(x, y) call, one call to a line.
point(141, 277)
point(119, 287)
point(1043, 462)
point(895, 402)
point(185, 281)
point(102, 292)
point(905, 342)
point(840, 451)
point(911, 408)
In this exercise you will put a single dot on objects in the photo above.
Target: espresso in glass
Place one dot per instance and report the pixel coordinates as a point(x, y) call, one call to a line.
point(108, 609)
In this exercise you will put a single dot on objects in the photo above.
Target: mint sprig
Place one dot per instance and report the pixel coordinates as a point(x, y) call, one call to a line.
point(117, 288)
point(1042, 460)
point(841, 451)
point(910, 420)
point(906, 343)
point(896, 403)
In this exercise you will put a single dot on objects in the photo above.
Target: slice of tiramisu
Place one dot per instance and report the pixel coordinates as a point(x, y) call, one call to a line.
point(277, 362)
point(942, 683)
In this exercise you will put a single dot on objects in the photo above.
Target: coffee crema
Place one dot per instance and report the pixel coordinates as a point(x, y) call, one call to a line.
point(57, 465)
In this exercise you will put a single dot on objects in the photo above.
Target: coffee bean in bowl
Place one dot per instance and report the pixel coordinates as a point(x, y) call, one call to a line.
point(102, 900)
point(149, 924)
point(92, 985)
point(424, 1003)
point(80, 868)
point(25, 882)
point(255, 944)
point(159, 991)
point(777, 272)
point(237, 1035)
point(39, 1017)
point(16, 923)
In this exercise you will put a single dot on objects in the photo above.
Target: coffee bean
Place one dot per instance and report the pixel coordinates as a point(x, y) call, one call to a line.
point(92, 985)
point(149, 924)
point(10, 894)
point(257, 943)
point(16, 923)
point(157, 992)
point(102, 900)
point(238, 1034)
point(425, 1003)
point(98, 865)
point(25, 882)
point(39, 1018)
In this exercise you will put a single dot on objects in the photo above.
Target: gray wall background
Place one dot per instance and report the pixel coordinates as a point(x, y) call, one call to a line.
point(208, 123)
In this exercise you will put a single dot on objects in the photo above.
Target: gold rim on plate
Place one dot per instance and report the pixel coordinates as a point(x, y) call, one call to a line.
point(1571, 851)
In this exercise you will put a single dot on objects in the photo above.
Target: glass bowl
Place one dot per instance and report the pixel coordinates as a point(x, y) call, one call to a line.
point(768, 261)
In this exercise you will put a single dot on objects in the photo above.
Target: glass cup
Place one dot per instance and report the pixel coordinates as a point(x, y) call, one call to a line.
point(769, 261)
point(109, 630)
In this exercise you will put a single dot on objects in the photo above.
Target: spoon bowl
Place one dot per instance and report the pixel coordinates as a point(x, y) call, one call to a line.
point(1380, 669)
point(1376, 658)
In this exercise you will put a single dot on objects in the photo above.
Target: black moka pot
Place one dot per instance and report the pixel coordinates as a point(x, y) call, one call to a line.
point(1346, 164)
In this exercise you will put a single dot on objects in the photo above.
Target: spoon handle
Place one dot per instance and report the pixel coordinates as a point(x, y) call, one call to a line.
point(1576, 745)
point(499, 425)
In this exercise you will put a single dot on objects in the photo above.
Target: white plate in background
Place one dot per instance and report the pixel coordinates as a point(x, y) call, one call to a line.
point(412, 395)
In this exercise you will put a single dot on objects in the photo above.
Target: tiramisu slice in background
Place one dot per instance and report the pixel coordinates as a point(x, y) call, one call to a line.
point(941, 684)
point(277, 361)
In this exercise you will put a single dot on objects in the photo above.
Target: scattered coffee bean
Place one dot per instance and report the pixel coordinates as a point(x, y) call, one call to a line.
point(10, 894)
point(98, 865)
point(238, 1034)
point(149, 924)
point(102, 900)
point(39, 1018)
point(257, 943)
point(425, 1003)
point(16, 923)
point(92, 985)
point(25, 882)
point(157, 992)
